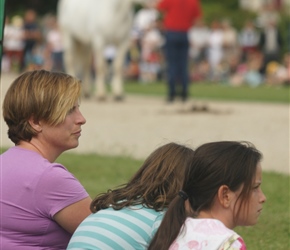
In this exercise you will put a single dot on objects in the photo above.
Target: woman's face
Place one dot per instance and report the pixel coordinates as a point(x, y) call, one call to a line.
point(65, 135)
point(251, 209)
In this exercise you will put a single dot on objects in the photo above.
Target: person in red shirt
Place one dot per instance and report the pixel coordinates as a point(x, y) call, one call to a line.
point(177, 18)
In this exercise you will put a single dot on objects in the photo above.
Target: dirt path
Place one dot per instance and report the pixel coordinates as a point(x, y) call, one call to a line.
point(140, 124)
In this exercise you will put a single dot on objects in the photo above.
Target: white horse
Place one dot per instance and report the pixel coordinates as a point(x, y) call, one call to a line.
point(88, 26)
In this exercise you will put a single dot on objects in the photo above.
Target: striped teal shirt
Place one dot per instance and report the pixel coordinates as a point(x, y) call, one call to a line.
point(128, 228)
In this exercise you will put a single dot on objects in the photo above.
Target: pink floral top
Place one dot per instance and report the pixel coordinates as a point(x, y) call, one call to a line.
point(207, 234)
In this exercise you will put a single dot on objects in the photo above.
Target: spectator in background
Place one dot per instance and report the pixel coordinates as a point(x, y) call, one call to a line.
point(55, 45)
point(178, 16)
point(253, 76)
point(248, 39)
point(215, 49)
point(151, 45)
point(132, 67)
point(143, 20)
point(268, 13)
point(248, 72)
point(144, 17)
point(230, 40)
point(13, 43)
point(198, 38)
point(32, 36)
point(278, 74)
point(270, 44)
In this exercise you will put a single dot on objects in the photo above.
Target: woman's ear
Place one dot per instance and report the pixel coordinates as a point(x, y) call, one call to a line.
point(224, 196)
point(35, 124)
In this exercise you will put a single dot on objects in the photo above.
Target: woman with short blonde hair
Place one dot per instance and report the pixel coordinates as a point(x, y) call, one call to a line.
point(41, 202)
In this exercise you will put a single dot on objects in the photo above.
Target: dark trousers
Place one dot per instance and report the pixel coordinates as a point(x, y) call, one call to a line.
point(176, 52)
point(57, 61)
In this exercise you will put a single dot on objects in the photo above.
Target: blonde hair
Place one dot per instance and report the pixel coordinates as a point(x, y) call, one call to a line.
point(44, 95)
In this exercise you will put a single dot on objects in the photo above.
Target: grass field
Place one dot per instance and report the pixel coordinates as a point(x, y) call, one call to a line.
point(216, 91)
point(99, 173)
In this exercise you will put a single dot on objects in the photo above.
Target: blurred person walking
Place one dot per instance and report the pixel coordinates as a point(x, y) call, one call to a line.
point(178, 17)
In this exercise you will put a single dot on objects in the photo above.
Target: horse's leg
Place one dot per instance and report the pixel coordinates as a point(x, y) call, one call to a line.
point(73, 60)
point(69, 46)
point(85, 57)
point(100, 68)
point(118, 68)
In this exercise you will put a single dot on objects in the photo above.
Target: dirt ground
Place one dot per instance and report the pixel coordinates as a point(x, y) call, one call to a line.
point(140, 124)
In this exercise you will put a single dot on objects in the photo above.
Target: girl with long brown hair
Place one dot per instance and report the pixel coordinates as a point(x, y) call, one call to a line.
point(221, 190)
point(127, 217)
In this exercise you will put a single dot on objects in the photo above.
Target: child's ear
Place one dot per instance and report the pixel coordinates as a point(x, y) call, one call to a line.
point(224, 196)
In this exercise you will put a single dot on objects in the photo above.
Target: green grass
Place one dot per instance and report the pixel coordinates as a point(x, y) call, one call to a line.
point(99, 173)
point(272, 230)
point(212, 91)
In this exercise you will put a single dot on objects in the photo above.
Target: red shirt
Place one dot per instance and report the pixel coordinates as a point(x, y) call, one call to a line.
point(179, 15)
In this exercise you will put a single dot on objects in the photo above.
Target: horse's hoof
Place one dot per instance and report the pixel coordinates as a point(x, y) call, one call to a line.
point(119, 98)
point(87, 96)
point(101, 98)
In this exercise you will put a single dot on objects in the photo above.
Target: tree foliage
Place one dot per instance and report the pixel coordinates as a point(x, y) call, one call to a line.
point(212, 10)
point(14, 7)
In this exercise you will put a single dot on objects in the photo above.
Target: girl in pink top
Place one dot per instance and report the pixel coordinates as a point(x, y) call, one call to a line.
point(221, 190)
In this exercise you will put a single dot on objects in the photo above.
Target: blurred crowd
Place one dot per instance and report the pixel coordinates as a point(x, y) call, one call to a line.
point(31, 42)
point(219, 52)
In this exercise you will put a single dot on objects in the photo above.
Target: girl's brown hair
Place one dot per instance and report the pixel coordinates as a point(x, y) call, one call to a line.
point(214, 164)
point(154, 185)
